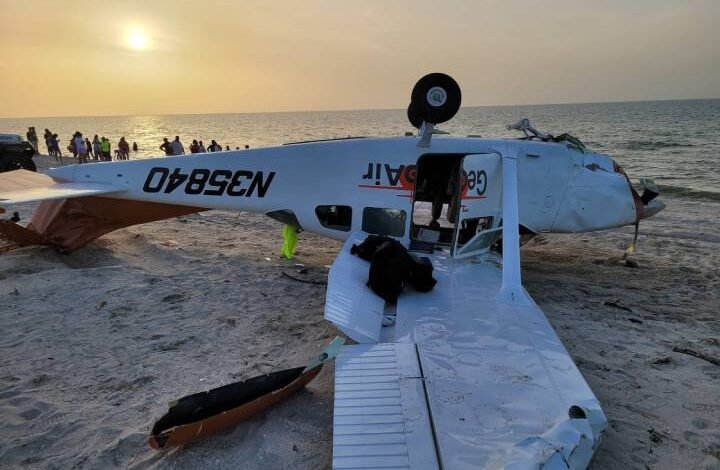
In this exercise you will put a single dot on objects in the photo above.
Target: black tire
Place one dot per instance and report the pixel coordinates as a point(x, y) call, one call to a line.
point(18, 163)
point(437, 96)
point(414, 114)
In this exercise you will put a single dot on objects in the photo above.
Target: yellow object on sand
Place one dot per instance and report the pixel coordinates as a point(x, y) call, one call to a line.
point(289, 241)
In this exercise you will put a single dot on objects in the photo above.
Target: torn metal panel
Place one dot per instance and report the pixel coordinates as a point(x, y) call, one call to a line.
point(350, 304)
point(570, 444)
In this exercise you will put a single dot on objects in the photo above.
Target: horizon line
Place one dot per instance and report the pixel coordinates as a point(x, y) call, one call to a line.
point(358, 109)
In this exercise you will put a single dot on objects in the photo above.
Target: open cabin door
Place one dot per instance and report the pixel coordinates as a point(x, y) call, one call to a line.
point(480, 205)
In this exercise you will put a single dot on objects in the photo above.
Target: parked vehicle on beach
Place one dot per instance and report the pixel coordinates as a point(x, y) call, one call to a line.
point(15, 153)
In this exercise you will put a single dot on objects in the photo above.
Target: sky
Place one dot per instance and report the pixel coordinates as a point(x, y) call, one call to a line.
point(90, 57)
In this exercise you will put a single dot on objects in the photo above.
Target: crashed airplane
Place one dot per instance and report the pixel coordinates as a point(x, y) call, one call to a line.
point(468, 375)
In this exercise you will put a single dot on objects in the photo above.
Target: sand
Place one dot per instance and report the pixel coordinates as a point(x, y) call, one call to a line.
point(94, 344)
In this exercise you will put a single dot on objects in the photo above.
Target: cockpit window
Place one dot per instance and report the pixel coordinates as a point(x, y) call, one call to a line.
point(383, 221)
point(335, 217)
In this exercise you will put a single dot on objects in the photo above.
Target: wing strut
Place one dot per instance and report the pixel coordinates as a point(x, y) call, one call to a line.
point(512, 290)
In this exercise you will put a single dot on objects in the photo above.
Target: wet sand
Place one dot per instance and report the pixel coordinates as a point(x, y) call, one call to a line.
point(95, 343)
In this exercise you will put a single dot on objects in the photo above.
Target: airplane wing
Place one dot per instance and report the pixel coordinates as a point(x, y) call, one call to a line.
point(460, 382)
point(469, 375)
point(27, 186)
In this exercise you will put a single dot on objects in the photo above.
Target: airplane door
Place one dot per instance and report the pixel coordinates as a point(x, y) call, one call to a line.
point(479, 198)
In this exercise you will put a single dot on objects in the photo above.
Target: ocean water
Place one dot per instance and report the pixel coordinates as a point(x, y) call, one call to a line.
point(677, 143)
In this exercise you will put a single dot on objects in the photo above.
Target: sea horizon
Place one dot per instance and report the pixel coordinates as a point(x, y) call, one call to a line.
point(573, 103)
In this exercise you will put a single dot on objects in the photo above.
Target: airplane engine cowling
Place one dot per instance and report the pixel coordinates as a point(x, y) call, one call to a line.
point(597, 198)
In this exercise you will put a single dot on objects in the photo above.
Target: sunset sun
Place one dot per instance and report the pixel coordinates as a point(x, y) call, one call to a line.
point(137, 39)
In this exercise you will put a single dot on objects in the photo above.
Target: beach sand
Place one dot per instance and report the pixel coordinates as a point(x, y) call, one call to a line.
point(96, 343)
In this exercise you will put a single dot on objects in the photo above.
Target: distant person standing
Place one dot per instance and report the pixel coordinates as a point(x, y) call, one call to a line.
point(135, 147)
point(80, 148)
point(33, 139)
point(166, 147)
point(194, 146)
point(105, 149)
point(124, 149)
point(201, 147)
point(227, 148)
point(97, 148)
point(177, 146)
point(89, 147)
point(71, 148)
point(214, 147)
point(47, 136)
point(54, 144)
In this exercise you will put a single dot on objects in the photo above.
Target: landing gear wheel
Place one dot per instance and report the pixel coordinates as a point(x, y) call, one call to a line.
point(437, 97)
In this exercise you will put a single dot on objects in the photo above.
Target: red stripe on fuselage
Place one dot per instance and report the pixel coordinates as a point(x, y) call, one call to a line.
point(377, 186)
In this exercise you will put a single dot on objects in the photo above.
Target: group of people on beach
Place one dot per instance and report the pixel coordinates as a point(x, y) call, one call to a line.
point(98, 149)
point(82, 147)
point(176, 147)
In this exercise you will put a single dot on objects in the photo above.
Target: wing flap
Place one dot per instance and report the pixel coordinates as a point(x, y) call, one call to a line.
point(381, 417)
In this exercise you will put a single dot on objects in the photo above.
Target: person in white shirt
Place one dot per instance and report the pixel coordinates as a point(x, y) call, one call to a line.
point(80, 148)
point(177, 147)
point(201, 148)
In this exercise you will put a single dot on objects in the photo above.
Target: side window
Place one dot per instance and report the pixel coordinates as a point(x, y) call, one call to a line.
point(384, 221)
point(335, 217)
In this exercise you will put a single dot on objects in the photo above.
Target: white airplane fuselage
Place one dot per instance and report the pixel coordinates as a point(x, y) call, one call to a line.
point(561, 189)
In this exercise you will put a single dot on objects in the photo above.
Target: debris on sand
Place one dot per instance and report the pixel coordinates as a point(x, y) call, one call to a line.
point(700, 355)
point(616, 304)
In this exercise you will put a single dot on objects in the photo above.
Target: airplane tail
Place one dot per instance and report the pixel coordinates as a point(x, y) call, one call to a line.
point(71, 215)
point(22, 186)
point(69, 224)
